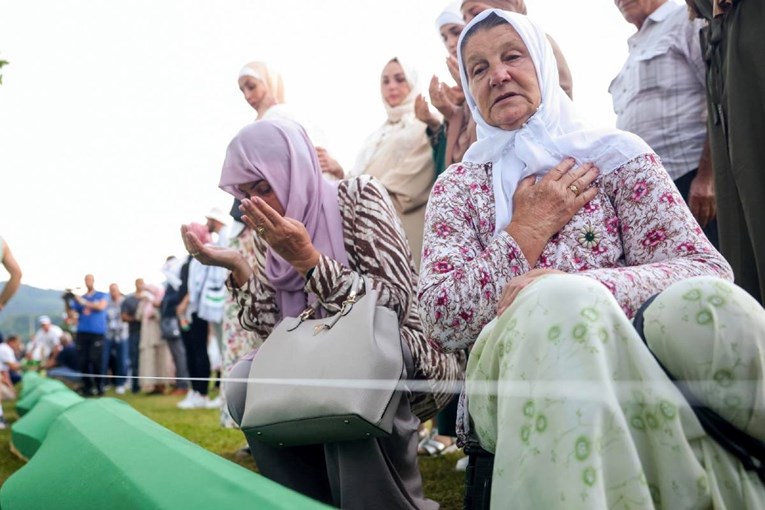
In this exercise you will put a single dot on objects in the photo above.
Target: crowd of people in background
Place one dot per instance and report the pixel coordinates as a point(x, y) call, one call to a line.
point(513, 241)
point(144, 341)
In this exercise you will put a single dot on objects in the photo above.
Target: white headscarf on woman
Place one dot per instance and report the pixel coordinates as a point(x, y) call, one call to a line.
point(451, 15)
point(550, 135)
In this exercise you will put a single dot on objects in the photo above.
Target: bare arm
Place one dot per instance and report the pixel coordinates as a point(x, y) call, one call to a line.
point(53, 357)
point(180, 310)
point(93, 305)
point(10, 264)
point(564, 73)
point(701, 196)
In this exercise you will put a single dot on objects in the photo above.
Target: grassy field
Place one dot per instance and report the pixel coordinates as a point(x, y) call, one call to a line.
point(442, 482)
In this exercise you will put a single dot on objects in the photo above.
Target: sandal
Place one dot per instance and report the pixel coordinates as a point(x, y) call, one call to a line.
point(432, 447)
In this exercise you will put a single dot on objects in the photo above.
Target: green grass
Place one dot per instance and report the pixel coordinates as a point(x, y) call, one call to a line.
point(442, 483)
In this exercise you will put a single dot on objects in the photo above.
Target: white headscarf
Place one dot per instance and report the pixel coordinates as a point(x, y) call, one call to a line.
point(172, 271)
point(550, 135)
point(451, 15)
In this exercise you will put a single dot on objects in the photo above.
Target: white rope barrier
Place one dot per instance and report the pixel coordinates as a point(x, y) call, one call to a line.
point(625, 391)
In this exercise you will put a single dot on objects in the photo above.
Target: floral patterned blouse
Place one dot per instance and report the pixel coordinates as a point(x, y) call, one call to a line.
point(376, 246)
point(636, 237)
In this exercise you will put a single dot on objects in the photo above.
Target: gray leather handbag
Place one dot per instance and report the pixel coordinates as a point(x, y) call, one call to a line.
point(327, 380)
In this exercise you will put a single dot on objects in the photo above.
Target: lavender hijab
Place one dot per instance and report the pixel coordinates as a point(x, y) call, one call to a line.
point(280, 152)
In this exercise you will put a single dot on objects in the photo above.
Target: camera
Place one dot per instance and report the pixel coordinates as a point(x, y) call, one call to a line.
point(67, 295)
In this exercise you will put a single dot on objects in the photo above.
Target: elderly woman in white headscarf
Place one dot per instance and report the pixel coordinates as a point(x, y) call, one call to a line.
point(539, 248)
point(398, 153)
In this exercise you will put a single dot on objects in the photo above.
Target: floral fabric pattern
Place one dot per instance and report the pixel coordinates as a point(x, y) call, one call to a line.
point(636, 237)
point(581, 415)
point(237, 341)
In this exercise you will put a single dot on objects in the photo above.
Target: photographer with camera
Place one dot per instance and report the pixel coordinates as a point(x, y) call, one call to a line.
point(91, 331)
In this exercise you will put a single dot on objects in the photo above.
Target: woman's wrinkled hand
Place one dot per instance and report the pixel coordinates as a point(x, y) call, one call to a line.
point(517, 284)
point(286, 236)
point(216, 256)
point(541, 208)
point(423, 113)
point(328, 164)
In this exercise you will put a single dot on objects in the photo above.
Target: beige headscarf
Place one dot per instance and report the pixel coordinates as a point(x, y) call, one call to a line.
point(271, 79)
point(398, 153)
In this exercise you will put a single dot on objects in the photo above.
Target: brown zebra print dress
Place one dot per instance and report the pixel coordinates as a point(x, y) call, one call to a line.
point(376, 247)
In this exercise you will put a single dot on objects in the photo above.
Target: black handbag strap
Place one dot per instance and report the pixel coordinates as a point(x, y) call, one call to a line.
point(748, 450)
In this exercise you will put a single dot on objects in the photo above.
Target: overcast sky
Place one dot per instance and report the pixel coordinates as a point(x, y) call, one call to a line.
point(115, 116)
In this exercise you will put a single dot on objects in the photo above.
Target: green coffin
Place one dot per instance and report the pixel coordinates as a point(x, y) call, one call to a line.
point(28, 433)
point(104, 454)
point(27, 402)
point(30, 381)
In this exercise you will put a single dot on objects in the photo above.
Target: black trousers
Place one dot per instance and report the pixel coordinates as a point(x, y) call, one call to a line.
point(90, 352)
point(134, 342)
point(195, 342)
point(735, 62)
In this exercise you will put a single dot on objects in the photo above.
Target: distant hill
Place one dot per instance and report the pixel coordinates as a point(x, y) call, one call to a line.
point(20, 315)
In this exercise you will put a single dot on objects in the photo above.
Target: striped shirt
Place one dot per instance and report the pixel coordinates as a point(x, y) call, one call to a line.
point(376, 246)
point(660, 92)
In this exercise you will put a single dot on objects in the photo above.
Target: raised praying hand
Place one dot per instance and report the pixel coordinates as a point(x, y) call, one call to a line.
point(286, 236)
point(210, 255)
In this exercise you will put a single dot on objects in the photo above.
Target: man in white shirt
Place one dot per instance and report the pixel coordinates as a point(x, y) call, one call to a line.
point(660, 95)
point(212, 299)
point(45, 341)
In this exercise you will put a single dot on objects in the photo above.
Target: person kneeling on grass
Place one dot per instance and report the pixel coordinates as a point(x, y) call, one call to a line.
point(540, 265)
point(315, 239)
point(64, 363)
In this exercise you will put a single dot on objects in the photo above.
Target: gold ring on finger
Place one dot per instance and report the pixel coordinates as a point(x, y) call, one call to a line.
point(573, 188)
point(260, 230)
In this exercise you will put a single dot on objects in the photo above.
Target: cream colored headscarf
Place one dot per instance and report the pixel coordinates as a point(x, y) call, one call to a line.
point(271, 79)
point(398, 153)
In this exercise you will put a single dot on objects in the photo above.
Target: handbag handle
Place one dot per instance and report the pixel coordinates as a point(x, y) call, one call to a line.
point(346, 308)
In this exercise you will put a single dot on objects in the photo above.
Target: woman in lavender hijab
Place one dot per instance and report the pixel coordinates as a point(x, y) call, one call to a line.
point(315, 239)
